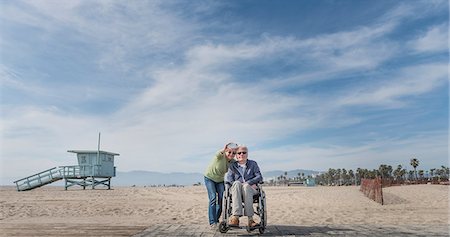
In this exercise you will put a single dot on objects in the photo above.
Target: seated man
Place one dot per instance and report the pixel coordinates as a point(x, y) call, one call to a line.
point(243, 176)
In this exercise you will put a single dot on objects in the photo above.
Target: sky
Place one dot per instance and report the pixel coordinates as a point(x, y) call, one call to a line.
point(303, 84)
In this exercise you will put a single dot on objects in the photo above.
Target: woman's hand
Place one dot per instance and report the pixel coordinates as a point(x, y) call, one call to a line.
point(230, 146)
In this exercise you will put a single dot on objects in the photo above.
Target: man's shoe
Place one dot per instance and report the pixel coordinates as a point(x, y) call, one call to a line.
point(252, 223)
point(234, 220)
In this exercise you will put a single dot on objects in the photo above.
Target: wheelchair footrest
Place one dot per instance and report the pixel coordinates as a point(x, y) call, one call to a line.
point(245, 226)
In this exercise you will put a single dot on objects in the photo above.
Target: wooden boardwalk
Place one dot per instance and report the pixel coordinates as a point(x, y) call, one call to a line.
point(287, 230)
point(73, 229)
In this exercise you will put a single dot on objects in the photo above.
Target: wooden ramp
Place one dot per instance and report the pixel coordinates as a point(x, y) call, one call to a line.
point(39, 179)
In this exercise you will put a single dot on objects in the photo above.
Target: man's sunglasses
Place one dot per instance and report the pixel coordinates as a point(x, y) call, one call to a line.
point(242, 153)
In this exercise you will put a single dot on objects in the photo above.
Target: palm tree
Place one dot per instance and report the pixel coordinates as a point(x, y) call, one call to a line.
point(421, 174)
point(359, 175)
point(398, 173)
point(389, 170)
point(344, 176)
point(325, 178)
point(339, 176)
point(352, 176)
point(445, 172)
point(410, 175)
point(414, 163)
point(331, 176)
point(371, 174)
point(403, 173)
point(432, 172)
point(383, 170)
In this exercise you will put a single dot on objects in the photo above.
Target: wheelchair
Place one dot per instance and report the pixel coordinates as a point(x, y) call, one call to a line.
point(259, 207)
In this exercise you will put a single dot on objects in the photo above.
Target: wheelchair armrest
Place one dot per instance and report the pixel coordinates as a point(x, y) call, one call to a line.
point(259, 185)
point(227, 185)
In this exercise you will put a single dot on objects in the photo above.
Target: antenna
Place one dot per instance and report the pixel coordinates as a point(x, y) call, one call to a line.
point(98, 149)
point(98, 146)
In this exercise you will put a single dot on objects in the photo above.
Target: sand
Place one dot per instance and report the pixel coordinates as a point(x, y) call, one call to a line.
point(125, 211)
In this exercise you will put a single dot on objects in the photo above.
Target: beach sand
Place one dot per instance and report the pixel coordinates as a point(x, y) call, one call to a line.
point(316, 211)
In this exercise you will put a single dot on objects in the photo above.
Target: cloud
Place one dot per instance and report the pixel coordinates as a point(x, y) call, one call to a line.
point(31, 137)
point(121, 33)
point(411, 81)
point(410, 11)
point(434, 40)
point(13, 80)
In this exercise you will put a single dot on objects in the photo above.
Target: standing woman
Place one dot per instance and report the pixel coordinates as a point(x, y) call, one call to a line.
point(214, 181)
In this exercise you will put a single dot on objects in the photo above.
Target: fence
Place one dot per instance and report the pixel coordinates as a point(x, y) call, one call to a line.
point(372, 188)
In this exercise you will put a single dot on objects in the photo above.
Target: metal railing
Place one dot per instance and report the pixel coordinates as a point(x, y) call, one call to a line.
point(79, 171)
point(39, 179)
point(57, 173)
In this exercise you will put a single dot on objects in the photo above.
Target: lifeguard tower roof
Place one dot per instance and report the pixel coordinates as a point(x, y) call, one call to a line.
point(93, 151)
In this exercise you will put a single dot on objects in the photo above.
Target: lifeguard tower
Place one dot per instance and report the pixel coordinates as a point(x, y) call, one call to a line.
point(310, 182)
point(95, 167)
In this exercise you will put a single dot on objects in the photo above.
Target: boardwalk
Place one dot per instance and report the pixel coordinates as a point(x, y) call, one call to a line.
point(162, 230)
point(286, 230)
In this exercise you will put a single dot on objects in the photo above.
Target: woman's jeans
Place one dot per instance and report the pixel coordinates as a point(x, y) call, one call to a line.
point(215, 194)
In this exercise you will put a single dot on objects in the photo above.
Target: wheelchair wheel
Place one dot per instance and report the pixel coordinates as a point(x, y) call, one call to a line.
point(223, 228)
point(225, 209)
point(263, 211)
point(226, 206)
point(261, 230)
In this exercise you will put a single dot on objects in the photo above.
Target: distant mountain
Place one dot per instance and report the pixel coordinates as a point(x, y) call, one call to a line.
point(147, 178)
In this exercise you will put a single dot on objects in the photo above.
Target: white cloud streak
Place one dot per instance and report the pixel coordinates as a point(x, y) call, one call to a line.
point(411, 81)
point(434, 40)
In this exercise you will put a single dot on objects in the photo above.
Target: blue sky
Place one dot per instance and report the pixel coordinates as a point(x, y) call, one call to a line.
point(304, 84)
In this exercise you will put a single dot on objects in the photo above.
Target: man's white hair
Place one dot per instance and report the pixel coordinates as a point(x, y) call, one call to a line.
point(242, 147)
